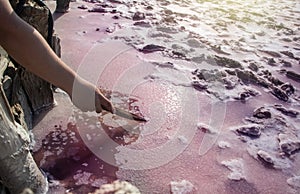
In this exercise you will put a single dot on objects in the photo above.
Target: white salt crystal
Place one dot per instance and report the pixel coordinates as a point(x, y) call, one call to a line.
point(182, 187)
point(223, 144)
point(208, 128)
point(237, 169)
point(82, 178)
point(294, 181)
point(89, 138)
point(85, 164)
point(182, 139)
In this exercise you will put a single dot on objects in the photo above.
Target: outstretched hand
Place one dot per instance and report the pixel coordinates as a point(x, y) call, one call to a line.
point(88, 97)
point(102, 103)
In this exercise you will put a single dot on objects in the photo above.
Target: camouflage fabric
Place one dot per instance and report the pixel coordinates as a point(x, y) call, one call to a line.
point(29, 94)
point(26, 93)
point(37, 14)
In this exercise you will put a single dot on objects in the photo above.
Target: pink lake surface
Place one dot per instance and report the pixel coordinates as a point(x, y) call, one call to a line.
point(169, 144)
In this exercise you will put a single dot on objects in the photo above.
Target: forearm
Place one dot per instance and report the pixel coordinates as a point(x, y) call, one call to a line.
point(30, 49)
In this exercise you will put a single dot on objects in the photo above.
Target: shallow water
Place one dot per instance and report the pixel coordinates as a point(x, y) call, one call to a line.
point(198, 71)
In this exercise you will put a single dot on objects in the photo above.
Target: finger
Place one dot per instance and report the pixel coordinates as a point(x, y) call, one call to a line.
point(98, 105)
point(107, 105)
point(103, 103)
point(98, 108)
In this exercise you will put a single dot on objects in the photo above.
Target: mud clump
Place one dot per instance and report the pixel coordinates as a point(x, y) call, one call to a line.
point(200, 86)
point(209, 75)
point(280, 94)
point(253, 131)
point(82, 7)
point(177, 55)
point(102, 8)
point(230, 82)
point(262, 113)
point(274, 81)
point(169, 20)
point(283, 92)
point(285, 111)
point(247, 93)
point(98, 9)
point(265, 157)
point(286, 63)
point(290, 147)
point(293, 75)
point(288, 144)
point(289, 54)
point(271, 53)
point(288, 89)
point(271, 62)
point(253, 67)
point(226, 62)
point(233, 80)
point(142, 24)
point(150, 48)
point(138, 16)
point(275, 139)
point(248, 77)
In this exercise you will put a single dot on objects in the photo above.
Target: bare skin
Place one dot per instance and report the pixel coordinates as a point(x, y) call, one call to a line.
point(30, 49)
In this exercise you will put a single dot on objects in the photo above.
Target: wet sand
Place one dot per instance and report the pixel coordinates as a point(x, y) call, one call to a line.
point(219, 82)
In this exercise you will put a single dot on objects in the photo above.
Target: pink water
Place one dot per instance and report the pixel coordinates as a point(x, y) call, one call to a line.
point(189, 134)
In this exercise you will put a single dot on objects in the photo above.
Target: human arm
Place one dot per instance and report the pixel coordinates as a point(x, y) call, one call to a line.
point(30, 49)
